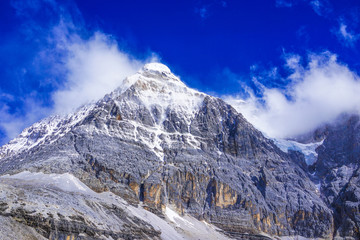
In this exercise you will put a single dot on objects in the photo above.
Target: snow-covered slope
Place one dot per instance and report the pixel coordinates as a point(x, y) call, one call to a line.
point(44, 132)
point(164, 96)
point(157, 86)
point(154, 85)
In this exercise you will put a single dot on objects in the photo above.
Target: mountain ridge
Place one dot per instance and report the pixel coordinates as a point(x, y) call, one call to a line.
point(157, 143)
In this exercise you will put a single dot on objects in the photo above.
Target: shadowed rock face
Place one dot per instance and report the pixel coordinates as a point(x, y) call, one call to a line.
point(338, 170)
point(200, 156)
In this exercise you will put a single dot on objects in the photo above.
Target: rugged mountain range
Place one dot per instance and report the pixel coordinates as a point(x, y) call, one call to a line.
point(155, 159)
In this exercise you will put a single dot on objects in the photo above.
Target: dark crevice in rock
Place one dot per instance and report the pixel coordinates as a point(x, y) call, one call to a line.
point(141, 194)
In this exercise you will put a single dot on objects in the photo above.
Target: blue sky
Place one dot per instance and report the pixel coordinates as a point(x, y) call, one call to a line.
point(261, 51)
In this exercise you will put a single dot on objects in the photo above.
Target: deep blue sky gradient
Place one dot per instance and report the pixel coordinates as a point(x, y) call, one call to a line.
point(235, 36)
point(211, 44)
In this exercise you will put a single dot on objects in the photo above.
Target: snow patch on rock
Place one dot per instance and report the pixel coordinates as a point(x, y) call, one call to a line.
point(168, 92)
point(66, 182)
point(176, 218)
point(307, 149)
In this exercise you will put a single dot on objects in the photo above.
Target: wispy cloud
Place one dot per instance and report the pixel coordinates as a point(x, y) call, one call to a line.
point(321, 7)
point(283, 3)
point(27, 7)
point(345, 36)
point(205, 7)
point(93, 67)
point(202, 11)
point(338, 17)
point(317, 94)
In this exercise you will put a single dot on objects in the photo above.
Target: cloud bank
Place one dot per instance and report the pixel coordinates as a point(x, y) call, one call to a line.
point(94, 67)
point(317, 94)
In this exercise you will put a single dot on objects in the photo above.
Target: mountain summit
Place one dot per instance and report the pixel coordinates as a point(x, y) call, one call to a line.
point(156, 159)
point(154, 86)
point(156, 68)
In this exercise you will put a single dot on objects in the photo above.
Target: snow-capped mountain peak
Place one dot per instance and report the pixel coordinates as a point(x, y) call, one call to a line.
point(154, 85)
point(161, 73)
point(164, 96)
point(156, 68)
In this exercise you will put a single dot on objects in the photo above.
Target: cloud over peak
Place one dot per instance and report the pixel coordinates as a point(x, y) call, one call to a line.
point(74, 64)
point(94, 67)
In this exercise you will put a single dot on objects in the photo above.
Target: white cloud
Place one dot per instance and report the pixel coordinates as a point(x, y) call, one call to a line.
point(317, 94)
point(345, 36)
point(83, 69)
point(94, 68)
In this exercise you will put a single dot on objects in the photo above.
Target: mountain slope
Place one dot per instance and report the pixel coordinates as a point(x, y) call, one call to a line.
point(157, 142)
point(61, 207)
point(338, 171)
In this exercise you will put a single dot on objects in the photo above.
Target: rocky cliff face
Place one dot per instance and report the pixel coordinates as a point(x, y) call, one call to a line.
point(157, 143)
point(338, 170)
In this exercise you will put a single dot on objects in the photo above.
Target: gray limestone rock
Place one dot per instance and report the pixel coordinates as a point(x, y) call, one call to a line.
point(338, 170)
point(161, 144)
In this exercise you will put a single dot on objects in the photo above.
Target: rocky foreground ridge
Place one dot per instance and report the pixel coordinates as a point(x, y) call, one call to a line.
point(159, 146)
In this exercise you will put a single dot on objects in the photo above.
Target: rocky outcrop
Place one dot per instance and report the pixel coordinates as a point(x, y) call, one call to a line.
point(58, 214)
point(338, 171)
